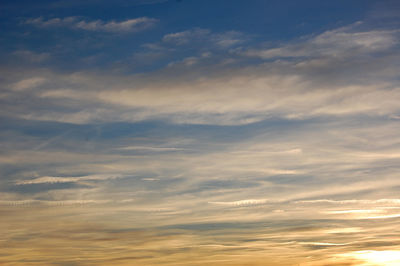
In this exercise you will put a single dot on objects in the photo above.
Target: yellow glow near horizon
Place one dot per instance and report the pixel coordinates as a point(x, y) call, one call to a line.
point(373, 257)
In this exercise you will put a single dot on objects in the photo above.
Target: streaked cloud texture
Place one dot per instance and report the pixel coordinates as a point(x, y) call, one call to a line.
point(129, 25)
point(139, 134)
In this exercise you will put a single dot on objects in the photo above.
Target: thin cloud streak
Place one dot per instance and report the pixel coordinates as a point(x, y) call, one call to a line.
point(334, 43)
point(125, 26)
point(52, 179)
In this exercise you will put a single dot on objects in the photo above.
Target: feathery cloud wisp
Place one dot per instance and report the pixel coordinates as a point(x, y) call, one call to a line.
point(130, 25)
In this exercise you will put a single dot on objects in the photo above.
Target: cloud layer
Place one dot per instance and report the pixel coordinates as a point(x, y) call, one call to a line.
point(320, 77)
point(201, 145)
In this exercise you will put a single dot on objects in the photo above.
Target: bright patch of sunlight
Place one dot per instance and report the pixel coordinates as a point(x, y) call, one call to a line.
point(372, 257)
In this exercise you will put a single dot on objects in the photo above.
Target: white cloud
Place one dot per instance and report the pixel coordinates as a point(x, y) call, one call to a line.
point(227, 96)
point(354, 211)
point(379, 201)
point(54, 180)
point(383, 216)
point(323, 244)
point(247, 202)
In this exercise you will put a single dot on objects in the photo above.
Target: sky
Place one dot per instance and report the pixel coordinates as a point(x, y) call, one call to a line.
point(194, 132)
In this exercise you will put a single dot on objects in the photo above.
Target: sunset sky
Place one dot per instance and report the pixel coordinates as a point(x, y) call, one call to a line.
point(200, 132)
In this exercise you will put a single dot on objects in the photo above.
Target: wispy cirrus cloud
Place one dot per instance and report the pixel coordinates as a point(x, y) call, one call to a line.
point(345, 41)
point(16, 203)
point(358, 201)
point(211, 142)
point(145, 148)
point(239, 203)
point(222, 40)
point(329, 78)
point(52, 179)
point(272, 141)
point(77, 23)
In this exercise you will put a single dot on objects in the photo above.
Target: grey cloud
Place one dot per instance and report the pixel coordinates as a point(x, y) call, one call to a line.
point(29, 56)
point(38, 188)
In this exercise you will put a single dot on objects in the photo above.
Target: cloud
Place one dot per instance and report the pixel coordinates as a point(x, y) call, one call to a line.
point(220, 152)
point(336, 75)
point(247, 202)
point(197, 101)
point(230, 39)
point(383, 216)
point(220, 40)
point(28, 83)
point(129, 25)
point(51, 202)
point(345, 41)
point(184, 37)
point(379, 201)
point(53, 180)
point(322, 244)
point(155, 149)
point(190, 61)
point(257, 138)
point(31, 57)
